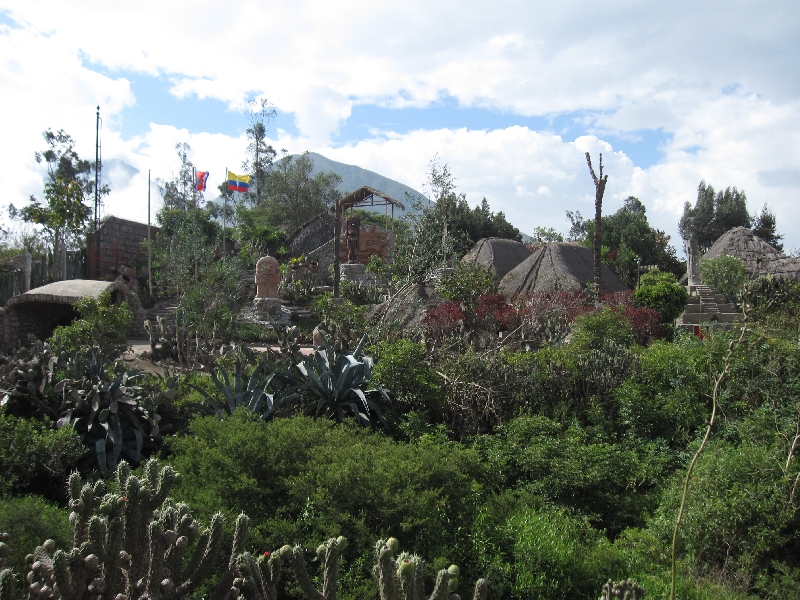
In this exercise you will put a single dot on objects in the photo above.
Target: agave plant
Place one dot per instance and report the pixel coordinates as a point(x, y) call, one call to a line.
point(114, 414)
point(254, 397)
point(337, 383)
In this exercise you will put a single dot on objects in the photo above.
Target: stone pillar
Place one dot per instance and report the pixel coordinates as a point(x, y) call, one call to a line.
point(693, 262)
point(28, 265)
point(268, 276)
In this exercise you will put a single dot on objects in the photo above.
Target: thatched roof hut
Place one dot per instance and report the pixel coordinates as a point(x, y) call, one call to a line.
point(499, 254)
point(760, 258)
point(557, 266)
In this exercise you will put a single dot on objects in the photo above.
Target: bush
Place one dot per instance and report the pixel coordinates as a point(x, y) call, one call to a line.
point(466, 283)
point(593, 331)
point(304, 480)
point(495, 313)
point(574, 467)
point(101, 314)
point(30, 521)
point(35, 458)
point(557, 556)
point(726, 274)
point(442, 321)
point(661, 291)
point(401, 367)
point(737, 516)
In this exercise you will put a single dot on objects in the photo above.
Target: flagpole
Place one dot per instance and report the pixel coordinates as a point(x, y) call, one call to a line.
point(194, 187)
point(149, 244)
point(224, 210)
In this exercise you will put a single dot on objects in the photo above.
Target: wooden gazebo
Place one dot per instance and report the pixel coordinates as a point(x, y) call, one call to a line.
point(362, 197)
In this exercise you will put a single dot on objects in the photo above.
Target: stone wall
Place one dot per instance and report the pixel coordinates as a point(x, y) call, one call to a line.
point(120, 242)
point(312, 235)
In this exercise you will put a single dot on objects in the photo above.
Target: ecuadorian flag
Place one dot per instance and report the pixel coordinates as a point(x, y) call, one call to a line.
point(238, 183)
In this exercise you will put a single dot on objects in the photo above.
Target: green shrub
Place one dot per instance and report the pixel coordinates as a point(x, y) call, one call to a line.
point(401, 367)
point(661, 291)
point(593, 331)
point(667, 398)
point(30, 521)
point(557, 556)
point(737, 517)
point(466, 283)
point(35, 457)
point(303, 480)
point(726, 274)
point(101, 314)
point(574, 467)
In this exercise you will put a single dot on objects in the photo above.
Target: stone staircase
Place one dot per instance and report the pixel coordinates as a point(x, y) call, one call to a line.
point(163, 308)
point(705, 307)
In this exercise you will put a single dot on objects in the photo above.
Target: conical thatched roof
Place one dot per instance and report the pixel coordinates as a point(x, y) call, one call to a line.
point(557, 266)
point(497, 253)
point(759, 257)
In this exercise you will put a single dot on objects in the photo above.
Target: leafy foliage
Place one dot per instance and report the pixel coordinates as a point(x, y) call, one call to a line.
point(298, 478)
point(713, 215)
point(725, 274)
point(100, 315)
point(35, 458)
point(662, 292)
point(415, 385)
point(466, 283)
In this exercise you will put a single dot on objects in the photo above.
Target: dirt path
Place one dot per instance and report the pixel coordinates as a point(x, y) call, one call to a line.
point(134, 357)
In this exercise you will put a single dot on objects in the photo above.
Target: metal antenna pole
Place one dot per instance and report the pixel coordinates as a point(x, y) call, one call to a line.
point(96, 169)
point(149, 243)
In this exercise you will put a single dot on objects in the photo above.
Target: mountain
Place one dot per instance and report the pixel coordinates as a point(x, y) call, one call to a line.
point(354, 177)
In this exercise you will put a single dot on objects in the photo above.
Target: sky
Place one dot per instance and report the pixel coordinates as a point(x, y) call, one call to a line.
point(510, 95)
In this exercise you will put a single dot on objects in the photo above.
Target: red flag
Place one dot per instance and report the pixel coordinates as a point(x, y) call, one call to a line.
point(200, 181)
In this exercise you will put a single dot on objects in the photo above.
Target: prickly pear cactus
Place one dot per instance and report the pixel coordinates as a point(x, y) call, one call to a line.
point(131, 545)
point(402, 578)
point(622, 590)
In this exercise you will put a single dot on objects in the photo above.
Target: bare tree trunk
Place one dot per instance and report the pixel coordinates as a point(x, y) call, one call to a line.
point(599, 189)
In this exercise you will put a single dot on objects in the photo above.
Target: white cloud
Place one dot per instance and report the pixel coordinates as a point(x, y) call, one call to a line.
point(715, 75)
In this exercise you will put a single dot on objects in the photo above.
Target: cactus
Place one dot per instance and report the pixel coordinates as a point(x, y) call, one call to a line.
point(257, 578)
point(328, 554)
point(622, 590)
point(131, 545)
point(403, 578)
point(6, 575)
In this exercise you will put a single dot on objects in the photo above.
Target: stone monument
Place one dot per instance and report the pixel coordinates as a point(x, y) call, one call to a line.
point(268, 276)
point(693, 262)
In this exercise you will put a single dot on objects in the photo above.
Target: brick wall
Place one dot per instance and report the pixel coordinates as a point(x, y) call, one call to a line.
point(120, 242)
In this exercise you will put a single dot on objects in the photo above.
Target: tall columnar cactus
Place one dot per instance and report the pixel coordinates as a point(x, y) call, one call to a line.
point(6, 575)
point(403, 578)
point(258, 577)
point(328, 554)
point(131, 545)
point(622, 590)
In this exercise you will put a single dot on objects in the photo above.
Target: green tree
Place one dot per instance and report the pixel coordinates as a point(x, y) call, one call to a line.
point(632, 241)
point(178, 192)
point(543, 235)
point(764, 227)
point(68, 191)
point(713, 215)
point(294, 194)
point(260, 153)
